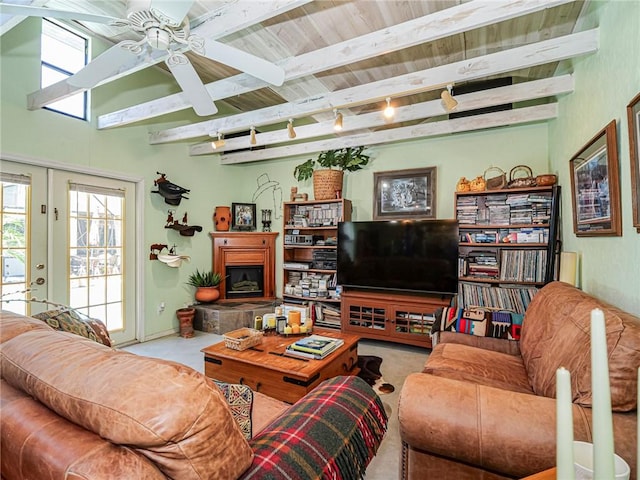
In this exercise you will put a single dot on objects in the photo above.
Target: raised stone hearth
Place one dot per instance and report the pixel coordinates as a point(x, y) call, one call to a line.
point(223, 317)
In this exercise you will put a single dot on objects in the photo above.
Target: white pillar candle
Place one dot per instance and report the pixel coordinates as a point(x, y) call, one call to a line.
point(603, 464)
point(568, 267)
point(564, 425)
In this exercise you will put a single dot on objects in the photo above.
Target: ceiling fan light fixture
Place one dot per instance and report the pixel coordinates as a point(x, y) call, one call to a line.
point(337, 124)
point(252, 139)
point(158, 38)
point(389, 111)
point(292, 132)
point(448, 101)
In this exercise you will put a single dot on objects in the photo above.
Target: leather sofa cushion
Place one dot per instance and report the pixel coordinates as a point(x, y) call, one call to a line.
point(479, 366)
point(556, 332)
point(14, 324)
point(170, 413)
point(31, 442)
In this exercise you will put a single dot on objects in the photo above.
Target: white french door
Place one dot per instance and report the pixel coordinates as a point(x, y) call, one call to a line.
point(23, 203)
point(77, 244)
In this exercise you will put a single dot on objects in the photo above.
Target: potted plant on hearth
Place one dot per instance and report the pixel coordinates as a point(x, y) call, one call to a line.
point(207, 285)
point(328, 170)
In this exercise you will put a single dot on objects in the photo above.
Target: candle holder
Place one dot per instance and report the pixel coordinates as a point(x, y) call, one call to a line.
point(266, 220)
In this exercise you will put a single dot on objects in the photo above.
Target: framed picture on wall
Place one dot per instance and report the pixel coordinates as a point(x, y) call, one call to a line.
point(633, 117)
point(595, 186)
point(405, 194)
point(243, 216)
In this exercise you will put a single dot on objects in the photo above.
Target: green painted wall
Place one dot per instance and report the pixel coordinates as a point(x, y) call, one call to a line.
point(605, 83)
point(45, 135)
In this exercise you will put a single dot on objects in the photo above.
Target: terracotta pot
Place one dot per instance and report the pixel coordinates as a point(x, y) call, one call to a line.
point(185, 316)
point(207, 294)
point(221, 218)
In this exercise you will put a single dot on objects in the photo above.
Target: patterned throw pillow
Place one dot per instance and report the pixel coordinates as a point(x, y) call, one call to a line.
point(68, 320)
point(480, 322)
point(240, 400)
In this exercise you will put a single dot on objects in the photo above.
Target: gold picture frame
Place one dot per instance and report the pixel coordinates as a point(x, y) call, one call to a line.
point(595, 186)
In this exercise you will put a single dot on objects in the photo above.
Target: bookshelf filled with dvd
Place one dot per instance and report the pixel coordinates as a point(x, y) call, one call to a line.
point(310, 257)
point(508, 247)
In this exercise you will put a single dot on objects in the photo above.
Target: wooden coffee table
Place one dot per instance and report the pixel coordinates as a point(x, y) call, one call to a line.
point(265, 369)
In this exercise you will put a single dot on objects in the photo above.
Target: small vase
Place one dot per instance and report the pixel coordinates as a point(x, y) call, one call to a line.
point(185, 316)
point(221, 217)
point(207, 294)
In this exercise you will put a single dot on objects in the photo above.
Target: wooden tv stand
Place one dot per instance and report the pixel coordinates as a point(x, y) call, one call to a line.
point(389, 316)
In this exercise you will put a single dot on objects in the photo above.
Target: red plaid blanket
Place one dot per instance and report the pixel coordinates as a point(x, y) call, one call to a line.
point(333, 433)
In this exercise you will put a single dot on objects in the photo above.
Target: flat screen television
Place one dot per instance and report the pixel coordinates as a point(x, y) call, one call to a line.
point(403, 256)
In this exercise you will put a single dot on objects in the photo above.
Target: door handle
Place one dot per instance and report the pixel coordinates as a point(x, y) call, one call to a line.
point(40, 281)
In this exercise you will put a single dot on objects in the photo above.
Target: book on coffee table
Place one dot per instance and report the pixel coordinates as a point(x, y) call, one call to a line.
point(293, 352)
point(316, 344)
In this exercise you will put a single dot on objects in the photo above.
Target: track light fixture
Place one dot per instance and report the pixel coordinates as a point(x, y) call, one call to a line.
point(218, 143)
point(252, 139)
point(448, 101)
point(389, 111)
point(292, 132)
point(337, 124)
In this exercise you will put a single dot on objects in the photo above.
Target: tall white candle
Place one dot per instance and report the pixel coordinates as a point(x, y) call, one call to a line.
point(603, 464)
point(564, 425)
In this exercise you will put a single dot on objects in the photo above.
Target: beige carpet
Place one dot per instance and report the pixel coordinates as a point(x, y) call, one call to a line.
point(398, 362)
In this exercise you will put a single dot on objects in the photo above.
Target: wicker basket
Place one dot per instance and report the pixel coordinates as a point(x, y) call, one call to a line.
point(326, 184)
point(242, 338)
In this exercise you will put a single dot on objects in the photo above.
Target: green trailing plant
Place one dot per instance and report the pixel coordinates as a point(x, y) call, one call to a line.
point(348, 159)
point(204, 279)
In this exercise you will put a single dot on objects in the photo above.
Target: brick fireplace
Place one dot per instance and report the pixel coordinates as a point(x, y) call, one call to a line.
point(247, 260)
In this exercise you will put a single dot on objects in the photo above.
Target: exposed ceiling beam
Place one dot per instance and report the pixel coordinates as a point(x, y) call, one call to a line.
point(520, 92)
point(552, 50)
point(7, 22)
point(429, 28)
point(237, 16)
point(458, 125)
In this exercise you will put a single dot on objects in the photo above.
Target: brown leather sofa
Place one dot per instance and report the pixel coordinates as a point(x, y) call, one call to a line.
point(71, 408)
point(484, 408)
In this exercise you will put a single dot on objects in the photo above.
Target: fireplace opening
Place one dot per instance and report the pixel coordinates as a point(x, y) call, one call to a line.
point(244, 281)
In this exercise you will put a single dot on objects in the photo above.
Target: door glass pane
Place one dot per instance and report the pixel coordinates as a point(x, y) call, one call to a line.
point(14, 218)
point(96, 249)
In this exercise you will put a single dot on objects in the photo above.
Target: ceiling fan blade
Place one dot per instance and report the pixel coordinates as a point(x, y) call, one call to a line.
point(191, 85)
point(108, 64)
point(29, 11)
point(244, 62)
point(175, 10)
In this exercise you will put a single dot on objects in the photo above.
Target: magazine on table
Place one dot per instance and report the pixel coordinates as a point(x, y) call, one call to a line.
point(316, 344)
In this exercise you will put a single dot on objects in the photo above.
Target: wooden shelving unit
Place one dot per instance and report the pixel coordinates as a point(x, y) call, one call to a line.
point(310, 256)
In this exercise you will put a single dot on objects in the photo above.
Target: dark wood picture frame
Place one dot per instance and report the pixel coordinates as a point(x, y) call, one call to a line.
point(595, 186)
point(405, 194)
point(243, 216)
point(633, 117)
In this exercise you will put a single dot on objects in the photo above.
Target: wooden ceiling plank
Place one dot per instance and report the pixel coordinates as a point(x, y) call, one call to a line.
point(240, 12)
point(498, 96)
point(496, 63)
point(465, 124)
point(441, 24)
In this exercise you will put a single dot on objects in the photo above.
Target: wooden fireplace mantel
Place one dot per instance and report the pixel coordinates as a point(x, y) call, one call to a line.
point(246, 248)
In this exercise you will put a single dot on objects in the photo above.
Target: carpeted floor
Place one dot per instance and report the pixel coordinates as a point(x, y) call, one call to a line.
point(398, 361)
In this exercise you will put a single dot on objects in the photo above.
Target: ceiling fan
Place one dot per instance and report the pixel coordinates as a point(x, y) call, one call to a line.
point(164, 26)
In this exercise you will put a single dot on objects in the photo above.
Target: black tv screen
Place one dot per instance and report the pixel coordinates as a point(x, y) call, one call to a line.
point(411, 256)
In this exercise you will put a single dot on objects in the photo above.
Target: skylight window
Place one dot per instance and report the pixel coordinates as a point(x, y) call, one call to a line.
point(63, 53)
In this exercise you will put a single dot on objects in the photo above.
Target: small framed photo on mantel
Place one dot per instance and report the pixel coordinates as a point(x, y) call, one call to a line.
point(405, 194)
point(243, 216)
